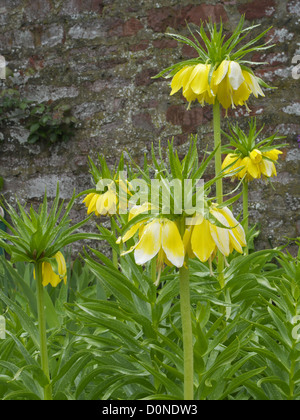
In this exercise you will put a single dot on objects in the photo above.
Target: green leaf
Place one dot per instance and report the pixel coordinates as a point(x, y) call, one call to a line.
point(34, 127)
point(24, 319)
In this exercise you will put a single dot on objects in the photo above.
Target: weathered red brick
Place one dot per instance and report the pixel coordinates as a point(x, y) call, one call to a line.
point(144, 121)
point(203, 12)
point(142, 45)
point(192, 119)
point(258, 9)
point(115, 27)
point(159, 19)
point(188, 120)
point(132, 27)
point(165, 43)
point(144, 77)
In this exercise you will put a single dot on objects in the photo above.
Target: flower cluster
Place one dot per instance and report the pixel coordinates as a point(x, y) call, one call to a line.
point(230, 84)
point(102, 204)
point(248, 158)
point(160, 236)
point(254, 166)
point(219, 73)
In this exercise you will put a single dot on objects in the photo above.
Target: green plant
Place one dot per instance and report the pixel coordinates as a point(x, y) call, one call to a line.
point(51, 123)
point(46, 121)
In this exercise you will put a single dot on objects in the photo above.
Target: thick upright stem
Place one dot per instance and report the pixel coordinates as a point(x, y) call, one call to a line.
point(185, 306)
point(217, 144)
point(245, 210)
point(113, 251)
point(42, 328)
point(219, 182)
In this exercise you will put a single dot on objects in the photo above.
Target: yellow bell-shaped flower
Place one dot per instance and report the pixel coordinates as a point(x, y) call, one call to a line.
point(205, 238)
point(232, 85)
point(254, 166)
point(158, 237)
point(101, 204)
point(49, 276)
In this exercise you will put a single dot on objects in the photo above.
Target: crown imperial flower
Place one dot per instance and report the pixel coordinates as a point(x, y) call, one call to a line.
point(219, 73)
point(50, 276)
point(158, 237)
point(206, 237)
point(248, 159)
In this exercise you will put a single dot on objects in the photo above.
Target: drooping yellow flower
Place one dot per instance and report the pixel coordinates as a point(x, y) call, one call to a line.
point(194, 83)
point(135, 211)
point(205, 238)
point(232, 85)
point(101, 204)
point(49, 276)
point(158, 237)
point(254, 166)
point(232, 161)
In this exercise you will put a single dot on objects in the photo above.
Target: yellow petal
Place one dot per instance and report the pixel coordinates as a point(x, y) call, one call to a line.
point(181, 78)
point(139, 209)
point(237, 230)
point(253, 84)
point(49, 276)
point(199, 77)
point(237, 236)
point(235, 75)
point(221, 72)
point(176, 82)
point(172, 243)
point(207, 96)
point(220, 235)
point(62, 267)
point(224, 93)
point(229, 159)
point(267, 168)
point(92, 204)
point(273, 154)
point(256, 156)
point(189, 95)
point(187, 242)
point(131, 232)
point(202, 242)
point(46, 273)
point(241, 95)
point(88, 199)
point(251, 168)
point(149, 244)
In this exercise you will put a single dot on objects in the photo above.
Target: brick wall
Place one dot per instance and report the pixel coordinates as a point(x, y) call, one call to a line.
point(99, 56)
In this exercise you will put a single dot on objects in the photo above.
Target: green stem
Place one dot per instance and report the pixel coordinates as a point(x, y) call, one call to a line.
point(114, 252)
point(42, 328)
point(187, 334)
point(219, 182)
point(217, 144)
point(153, 269)
point(245, 210)
point(115, 258)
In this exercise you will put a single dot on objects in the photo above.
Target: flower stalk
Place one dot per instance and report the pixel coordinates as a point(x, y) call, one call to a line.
point(219, 182)
point(245, 210)
point(186, 321)
point(187, 335)
point(42, 329)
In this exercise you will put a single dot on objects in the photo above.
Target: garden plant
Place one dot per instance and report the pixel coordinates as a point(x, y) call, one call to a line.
point(179, 305)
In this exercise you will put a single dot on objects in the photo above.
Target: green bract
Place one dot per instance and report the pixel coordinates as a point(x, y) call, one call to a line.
point(242, 143)
point(218, 49)
point(38, 236)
